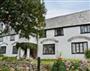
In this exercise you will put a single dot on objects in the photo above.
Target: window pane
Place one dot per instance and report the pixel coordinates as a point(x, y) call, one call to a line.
point(85, 46)
point(73, 48)
point(77, 48)
point(12, 38)
point(81, 48)
point(89, 28)
point(86, 29)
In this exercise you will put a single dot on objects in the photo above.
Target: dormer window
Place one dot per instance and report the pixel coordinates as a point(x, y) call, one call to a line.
point(1, 25)
point(85, 29)
point(59, 32)
point(12, 38)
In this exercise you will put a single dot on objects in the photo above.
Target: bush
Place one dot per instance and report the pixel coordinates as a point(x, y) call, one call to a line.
point(87, 54)
point(59, 65)
point(74, 67)
point(1, 57)
point(4, 68)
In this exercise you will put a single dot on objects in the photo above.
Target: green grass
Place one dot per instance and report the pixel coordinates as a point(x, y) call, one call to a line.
point(51, 61)
point(47, 61)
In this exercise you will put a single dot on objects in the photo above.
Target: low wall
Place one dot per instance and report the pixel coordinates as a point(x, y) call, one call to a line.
point(20, 66)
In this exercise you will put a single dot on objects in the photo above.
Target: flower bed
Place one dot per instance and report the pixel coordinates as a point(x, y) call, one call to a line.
point(66, 65)
point(46, 65)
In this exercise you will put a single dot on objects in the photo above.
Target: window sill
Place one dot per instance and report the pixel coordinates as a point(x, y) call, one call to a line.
point(84, 32)
point(77, 53)
point(58, 35)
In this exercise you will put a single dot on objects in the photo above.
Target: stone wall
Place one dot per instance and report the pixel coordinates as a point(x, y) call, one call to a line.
point(23, 66)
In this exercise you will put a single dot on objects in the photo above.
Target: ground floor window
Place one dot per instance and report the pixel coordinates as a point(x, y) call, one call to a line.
point(79, 47)
point(15, 50)
point(48, 49)
point(2, 49)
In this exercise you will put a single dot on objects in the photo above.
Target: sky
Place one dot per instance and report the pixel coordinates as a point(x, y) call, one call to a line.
point(63, 7)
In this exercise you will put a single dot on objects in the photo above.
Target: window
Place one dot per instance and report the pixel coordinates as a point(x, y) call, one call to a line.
point(2, 49)
point(59, 32)
point(1, 25)
point(12, 38)
point(1, 39)
point(79, 47)
point(15, 50)
point(44, 34)
point(85, 29)
point(48, 49)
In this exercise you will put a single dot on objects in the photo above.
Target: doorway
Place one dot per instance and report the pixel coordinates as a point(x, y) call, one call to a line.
point(33, 53)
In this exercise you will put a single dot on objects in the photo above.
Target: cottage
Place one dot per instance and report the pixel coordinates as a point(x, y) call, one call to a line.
point(67, 36)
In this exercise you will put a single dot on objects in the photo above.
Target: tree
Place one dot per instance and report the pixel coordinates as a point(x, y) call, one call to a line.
point(26, 17)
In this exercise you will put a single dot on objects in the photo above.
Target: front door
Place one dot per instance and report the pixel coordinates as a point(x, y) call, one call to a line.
point(33, 53)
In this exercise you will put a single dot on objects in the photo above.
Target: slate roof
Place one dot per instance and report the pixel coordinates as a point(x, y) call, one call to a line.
point(73, 19)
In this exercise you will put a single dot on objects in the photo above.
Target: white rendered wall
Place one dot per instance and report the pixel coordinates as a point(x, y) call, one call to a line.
point(63, 46)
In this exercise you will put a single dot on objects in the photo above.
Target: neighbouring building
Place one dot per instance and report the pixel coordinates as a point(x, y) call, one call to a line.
point(67, 36)
point(8, 44)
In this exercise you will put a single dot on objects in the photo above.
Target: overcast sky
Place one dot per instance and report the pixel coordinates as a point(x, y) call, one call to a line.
point(62, 7)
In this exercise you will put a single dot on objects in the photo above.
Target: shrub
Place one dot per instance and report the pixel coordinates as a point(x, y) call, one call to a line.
point(59, 65)
point(87, 54)
point(1, 57)
point(74, 66)
point(5, 68)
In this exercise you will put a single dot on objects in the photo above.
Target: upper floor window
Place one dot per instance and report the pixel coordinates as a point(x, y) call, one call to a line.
point(79, 47)
point(1, 25)
point(2, 49)
point(85, 29)
point(12, 37)
point(1, 39)
point(44, 34)
point(15, 50)
point(59, 32)
point(48, 49)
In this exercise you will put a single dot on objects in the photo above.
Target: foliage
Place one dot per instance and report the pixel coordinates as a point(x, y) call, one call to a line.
point(48, 61)
point(26, 17)
point(4, 68)
point(9, 59)
point(58, 66)
point(1, 57)
point(74, 67)
point(26, 45)
point(87, 53)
